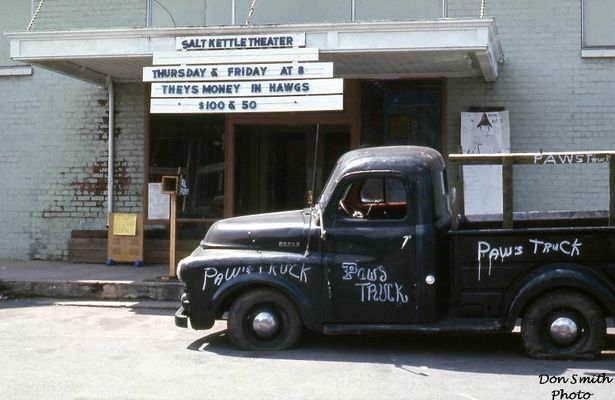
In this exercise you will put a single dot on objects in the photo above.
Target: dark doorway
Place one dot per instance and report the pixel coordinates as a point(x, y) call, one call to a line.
point(274, 164)
point(193, 146)
point(402, 113)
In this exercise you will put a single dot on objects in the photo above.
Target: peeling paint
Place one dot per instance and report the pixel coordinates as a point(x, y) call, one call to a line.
point(89, 189)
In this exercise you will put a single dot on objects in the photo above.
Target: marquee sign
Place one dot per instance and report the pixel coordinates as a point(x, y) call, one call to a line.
point(260, 88)
point(237, 72)
point(242, 73)
point(248, 104)
point(241, 41)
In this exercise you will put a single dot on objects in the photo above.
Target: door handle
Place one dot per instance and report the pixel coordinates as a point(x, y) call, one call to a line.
point(406, 238)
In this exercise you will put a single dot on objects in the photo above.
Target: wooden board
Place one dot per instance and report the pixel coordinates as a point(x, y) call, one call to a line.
point(507, 160)
point(156, 251)
point(125, 248)
point(545, 158)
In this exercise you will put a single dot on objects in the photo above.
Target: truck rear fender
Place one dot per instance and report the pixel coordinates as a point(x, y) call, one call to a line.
point(558, 276)
point(229, 291)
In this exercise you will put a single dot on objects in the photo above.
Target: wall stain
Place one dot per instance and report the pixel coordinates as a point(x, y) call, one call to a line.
point(90, 192)
point(82, 191)
point(96, 184)
point(102, 125)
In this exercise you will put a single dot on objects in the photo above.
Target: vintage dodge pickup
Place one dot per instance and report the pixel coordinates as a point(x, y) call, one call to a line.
point(380, 252)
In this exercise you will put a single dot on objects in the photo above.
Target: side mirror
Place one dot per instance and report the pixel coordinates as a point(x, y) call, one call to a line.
point(321, 223)
point(452, 198)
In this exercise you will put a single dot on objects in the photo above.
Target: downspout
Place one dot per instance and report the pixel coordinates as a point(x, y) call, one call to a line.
point(148, 13)
point(110, 152)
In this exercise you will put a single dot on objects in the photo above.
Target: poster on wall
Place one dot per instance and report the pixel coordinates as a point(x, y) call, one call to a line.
point(484, 133)
point(157, 203)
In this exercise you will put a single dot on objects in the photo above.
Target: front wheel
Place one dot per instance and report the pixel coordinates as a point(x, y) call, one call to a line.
point(264, 319)
point(563, 325)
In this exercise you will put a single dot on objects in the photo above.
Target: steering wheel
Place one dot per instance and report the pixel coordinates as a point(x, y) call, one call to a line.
point(344, 208)
point(350, 211)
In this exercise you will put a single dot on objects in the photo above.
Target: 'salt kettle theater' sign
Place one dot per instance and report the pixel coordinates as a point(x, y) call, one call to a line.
point(244, 73)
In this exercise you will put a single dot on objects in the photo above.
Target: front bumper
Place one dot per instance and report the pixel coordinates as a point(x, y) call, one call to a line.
point(181, 318)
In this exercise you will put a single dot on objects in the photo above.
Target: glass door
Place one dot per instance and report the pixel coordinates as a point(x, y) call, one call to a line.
point(274, 164)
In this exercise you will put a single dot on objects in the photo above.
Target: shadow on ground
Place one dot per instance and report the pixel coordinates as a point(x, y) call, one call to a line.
point(417, 353)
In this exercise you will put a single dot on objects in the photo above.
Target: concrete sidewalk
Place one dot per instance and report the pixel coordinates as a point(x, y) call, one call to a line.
point(58, 279)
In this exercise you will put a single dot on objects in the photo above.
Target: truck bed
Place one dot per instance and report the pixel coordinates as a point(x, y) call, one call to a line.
point(489, 264)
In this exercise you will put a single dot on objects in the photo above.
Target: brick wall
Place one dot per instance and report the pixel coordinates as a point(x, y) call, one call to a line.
point(129, 147)
point(54, 128)
point(54, 160)
point(557, 100)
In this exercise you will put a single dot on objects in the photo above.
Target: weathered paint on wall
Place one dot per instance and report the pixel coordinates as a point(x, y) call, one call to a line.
point(53, 160)
point(54, 129)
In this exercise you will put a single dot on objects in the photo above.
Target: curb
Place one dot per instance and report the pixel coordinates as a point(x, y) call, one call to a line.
point(94, 290)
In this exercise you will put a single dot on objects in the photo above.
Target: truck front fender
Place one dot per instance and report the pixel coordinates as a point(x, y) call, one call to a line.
point(234, 287)
point(556, 276)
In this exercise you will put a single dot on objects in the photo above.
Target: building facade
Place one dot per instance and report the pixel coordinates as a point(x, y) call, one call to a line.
point(70, 70)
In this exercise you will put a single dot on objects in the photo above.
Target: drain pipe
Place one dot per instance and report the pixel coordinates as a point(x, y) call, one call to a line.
point(110, 152)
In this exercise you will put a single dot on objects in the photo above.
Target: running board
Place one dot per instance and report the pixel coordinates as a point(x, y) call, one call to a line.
point(467, 325)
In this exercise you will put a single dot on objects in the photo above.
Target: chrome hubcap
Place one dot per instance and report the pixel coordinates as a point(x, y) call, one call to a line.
point(564, 330)
point(265, 324)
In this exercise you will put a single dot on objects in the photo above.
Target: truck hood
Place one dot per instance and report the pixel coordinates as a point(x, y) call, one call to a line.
point(279, 231)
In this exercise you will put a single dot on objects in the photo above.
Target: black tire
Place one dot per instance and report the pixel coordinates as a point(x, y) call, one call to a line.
point(583, 311)
point(248, 306)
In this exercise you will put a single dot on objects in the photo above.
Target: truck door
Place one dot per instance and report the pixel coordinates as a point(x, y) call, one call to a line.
point(369, 250)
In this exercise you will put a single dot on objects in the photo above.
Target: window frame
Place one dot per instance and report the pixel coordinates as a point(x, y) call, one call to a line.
point(342, 187)
point(592, 51)
point(19, 68)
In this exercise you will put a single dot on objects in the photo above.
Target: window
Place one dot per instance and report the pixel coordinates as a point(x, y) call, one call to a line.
point(598, 23)
point(292, 11)
point(397, 10)
point(194, 146)
point(15, 16)
point(374, 198)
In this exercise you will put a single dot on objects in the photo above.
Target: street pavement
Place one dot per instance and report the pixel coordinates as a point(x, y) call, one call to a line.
point(132, 350)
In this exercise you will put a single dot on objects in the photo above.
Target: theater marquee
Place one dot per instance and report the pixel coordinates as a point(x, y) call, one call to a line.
point(244, 73)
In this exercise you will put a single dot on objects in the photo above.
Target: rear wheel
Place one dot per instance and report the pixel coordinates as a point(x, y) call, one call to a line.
point(264, 319)
point(563, 324)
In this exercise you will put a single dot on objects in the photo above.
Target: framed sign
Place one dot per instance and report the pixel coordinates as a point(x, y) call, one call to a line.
point(157, 203)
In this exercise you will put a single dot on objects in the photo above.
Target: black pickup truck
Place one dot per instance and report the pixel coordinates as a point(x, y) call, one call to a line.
point(379, 252)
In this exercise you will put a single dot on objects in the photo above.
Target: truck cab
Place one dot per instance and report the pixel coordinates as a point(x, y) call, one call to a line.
point(373, 254)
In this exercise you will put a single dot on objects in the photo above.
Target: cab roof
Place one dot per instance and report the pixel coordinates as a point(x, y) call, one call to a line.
point(391, 158)
point(403, 159)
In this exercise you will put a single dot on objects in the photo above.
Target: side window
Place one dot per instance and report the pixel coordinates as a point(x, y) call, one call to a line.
point(373, 199)
point(598, 23)
point(15, 16)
